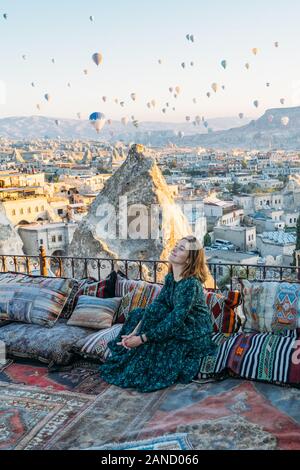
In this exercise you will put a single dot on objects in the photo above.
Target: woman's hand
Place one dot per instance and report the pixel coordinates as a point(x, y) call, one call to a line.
point(124, 339)
point(133, 342)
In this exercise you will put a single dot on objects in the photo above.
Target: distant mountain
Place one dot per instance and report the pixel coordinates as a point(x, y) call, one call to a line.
point(266, 132)
point(39, 127)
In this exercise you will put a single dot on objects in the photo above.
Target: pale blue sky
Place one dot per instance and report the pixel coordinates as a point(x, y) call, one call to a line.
point(132, 35)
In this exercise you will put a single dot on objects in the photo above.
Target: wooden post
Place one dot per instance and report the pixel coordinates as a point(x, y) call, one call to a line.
point(43, 261)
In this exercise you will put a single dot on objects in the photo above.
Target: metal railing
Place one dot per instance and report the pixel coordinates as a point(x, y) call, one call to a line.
point(223, 275)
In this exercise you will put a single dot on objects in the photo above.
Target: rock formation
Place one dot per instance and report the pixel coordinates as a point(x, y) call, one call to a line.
point(10, 242)
point(145, 228)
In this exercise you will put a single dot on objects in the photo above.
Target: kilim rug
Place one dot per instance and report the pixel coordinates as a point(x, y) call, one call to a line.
point(166, 442)
point(82, 377)
point(32, 418)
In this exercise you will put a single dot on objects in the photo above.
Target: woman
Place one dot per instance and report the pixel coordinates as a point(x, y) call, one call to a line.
point(162, 344)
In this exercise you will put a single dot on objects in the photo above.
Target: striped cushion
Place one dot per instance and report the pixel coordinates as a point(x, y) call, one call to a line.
point(270, 306)
point(257, 356)
point(95, 345)
point(140, 294)
point(33, 299)
point(223, 310)
point(93, 312)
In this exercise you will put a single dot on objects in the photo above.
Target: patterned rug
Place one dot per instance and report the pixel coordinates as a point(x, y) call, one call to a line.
point(232, 414)
point(30, 418)
point(82, 378)
point(167, 442)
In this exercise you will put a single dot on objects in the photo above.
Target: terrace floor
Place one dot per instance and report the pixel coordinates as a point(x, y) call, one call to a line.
point(73, 408)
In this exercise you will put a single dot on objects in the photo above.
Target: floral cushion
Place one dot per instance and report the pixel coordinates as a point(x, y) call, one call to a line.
point(223, 310)
point(33, 299)
point(94, 346)
point(94, 312)
point(270, 306)
point(140, 294)
point(52, 346)
point(256, 356)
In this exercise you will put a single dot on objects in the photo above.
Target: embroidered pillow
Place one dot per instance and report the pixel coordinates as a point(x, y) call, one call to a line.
point(223, 310)
point(33, 299)
point(93, 312)
point(94, 346)
point(141, 294)
point(270, 306)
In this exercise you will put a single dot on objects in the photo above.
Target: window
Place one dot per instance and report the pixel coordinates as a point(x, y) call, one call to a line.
point(60, 238)
point(36, 209)
point(21, 211)
point(13, 212)
point(28, 210)
point(41, 241)
point(53, 239)
point(42, 208)
point(60, 211)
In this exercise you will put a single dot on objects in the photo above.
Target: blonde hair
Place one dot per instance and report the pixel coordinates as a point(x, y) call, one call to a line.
point(196, 264)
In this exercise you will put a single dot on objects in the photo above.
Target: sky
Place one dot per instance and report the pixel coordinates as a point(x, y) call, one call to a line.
point(132, 35)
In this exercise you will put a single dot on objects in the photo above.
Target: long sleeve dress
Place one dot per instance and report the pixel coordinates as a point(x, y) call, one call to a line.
point(178, 328)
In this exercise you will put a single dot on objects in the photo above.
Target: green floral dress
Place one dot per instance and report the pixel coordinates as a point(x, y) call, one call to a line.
point(178, 328)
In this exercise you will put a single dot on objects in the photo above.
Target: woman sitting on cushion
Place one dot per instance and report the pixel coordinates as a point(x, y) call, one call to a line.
point(162, 344)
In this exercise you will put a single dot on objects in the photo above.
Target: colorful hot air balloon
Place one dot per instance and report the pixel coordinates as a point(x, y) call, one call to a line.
point(256, 103)
point(183, 65)
point(57, 122)
point(104, 98)
point(208, 94)
point(122, 103)
point(24, 57)
point(53, 61)
point(187, 118)
point(268, 84)
point(97, 120)
point(85, 71)
point(133, 96)
point(285, 120)
point(214, 87)
point(97, 58)
point(153, 103)
point(92, 18)
point(224, 64)
point(149, 105)
point(205, 124)
point(33, 84)
point(164, 110)
point(38, 106)
point(116, 100)
point(5, 16)
point(194, 100)
point(255, 50)
point(171, 89)
point(247, 65)
point(276, 44)
point(79, 115)
point(241, 115)
point(282, 100)
point(192, 38)
point(177, 89)
point(47, 97)
point(192, 64)
point(159, 61)
point(69, 85)
point(187, 37)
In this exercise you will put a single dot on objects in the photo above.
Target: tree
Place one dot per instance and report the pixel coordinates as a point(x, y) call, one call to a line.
point(207, 240)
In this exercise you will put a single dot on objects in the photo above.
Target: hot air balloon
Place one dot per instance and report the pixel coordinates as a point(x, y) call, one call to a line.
point(188, 37)
point(256, 103)
point(53, 61)
point(171, 89)
point(183, 65)
point(5, 16)
point(192, 38)
point(79, 115)
point(247, 66)
point(192, 64)
point(268, 84)
point(208, 94)
point(135, 123)
point(85, 71)
point(124, 121)
point(24, 57)
point(97, 120)
point(255, 50)
point(241, 115)
point(47, 97)
point(276, 44)
point(194, 100)
point(167, 104)
point(175, 95)
point(187, 118)
point(133, 96)
point(285, 120)
point(215, 87)
point(164, 110)
point(160, 61)
point(32, 84)
point(38, 106)
point(116, 100)
point(122, 103)
point(198, 119)
point(173, 109)
point(282, 100)
point(223, 87)
point(57, 122)
point(109, 122)
point(92, 18)
point(69, 85)
point(104, 98)
point(97, 58)
point(177, 89)
point(224, 64)
point(205, 124)
point(149, 105)
point(153, 103)
point(180, 134)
